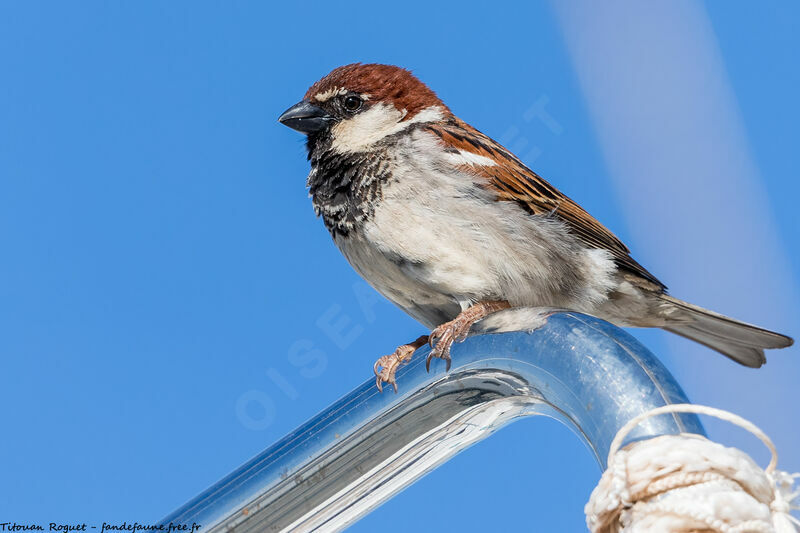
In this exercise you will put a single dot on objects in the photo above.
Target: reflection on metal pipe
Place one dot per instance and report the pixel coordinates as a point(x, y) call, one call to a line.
point(368, 446)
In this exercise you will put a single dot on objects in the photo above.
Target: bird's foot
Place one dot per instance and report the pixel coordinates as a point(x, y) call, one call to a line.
point(388, 364)
point(457, 329)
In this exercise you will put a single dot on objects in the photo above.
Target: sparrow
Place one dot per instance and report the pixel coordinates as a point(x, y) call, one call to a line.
point(451, 226)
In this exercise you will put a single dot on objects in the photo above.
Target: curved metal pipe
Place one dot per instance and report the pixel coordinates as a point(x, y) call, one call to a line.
point(368, 446)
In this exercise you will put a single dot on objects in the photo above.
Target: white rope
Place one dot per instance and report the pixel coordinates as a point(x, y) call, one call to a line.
point(687, 483)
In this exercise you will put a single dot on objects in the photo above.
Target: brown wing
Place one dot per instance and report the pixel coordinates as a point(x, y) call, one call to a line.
point(513, 181)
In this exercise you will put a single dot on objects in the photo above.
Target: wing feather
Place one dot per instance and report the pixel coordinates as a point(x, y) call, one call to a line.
point(513, 181)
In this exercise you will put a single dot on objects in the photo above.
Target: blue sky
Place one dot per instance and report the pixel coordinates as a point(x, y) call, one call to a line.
point(162, 264)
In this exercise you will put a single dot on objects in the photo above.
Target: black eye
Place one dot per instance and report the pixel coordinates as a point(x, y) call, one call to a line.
point(352, 103)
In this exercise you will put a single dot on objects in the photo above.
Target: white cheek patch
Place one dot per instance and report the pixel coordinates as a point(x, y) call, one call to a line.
point(363, 130)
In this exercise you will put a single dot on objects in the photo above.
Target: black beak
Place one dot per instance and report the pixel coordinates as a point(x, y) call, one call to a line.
point(305, 117)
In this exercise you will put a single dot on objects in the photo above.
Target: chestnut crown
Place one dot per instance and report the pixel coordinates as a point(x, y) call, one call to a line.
point(374, 83)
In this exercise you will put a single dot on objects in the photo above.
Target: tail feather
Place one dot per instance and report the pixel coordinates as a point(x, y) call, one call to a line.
point(742, 342)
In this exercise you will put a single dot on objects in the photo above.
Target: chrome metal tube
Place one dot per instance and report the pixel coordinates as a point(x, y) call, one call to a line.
point(368, 446)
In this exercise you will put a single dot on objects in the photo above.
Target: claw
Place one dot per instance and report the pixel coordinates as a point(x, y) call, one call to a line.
point(434, 337)
point(379, 384)
point(379, 380)
point(444, 336)
point(387, 370)
point(378, 373)
point(448, 360)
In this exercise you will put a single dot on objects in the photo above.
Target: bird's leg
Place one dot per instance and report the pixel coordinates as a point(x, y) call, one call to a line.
point(457, 329)
point(389, 364)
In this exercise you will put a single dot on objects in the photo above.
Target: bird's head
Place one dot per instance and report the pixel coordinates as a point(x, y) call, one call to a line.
point(357, 105)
